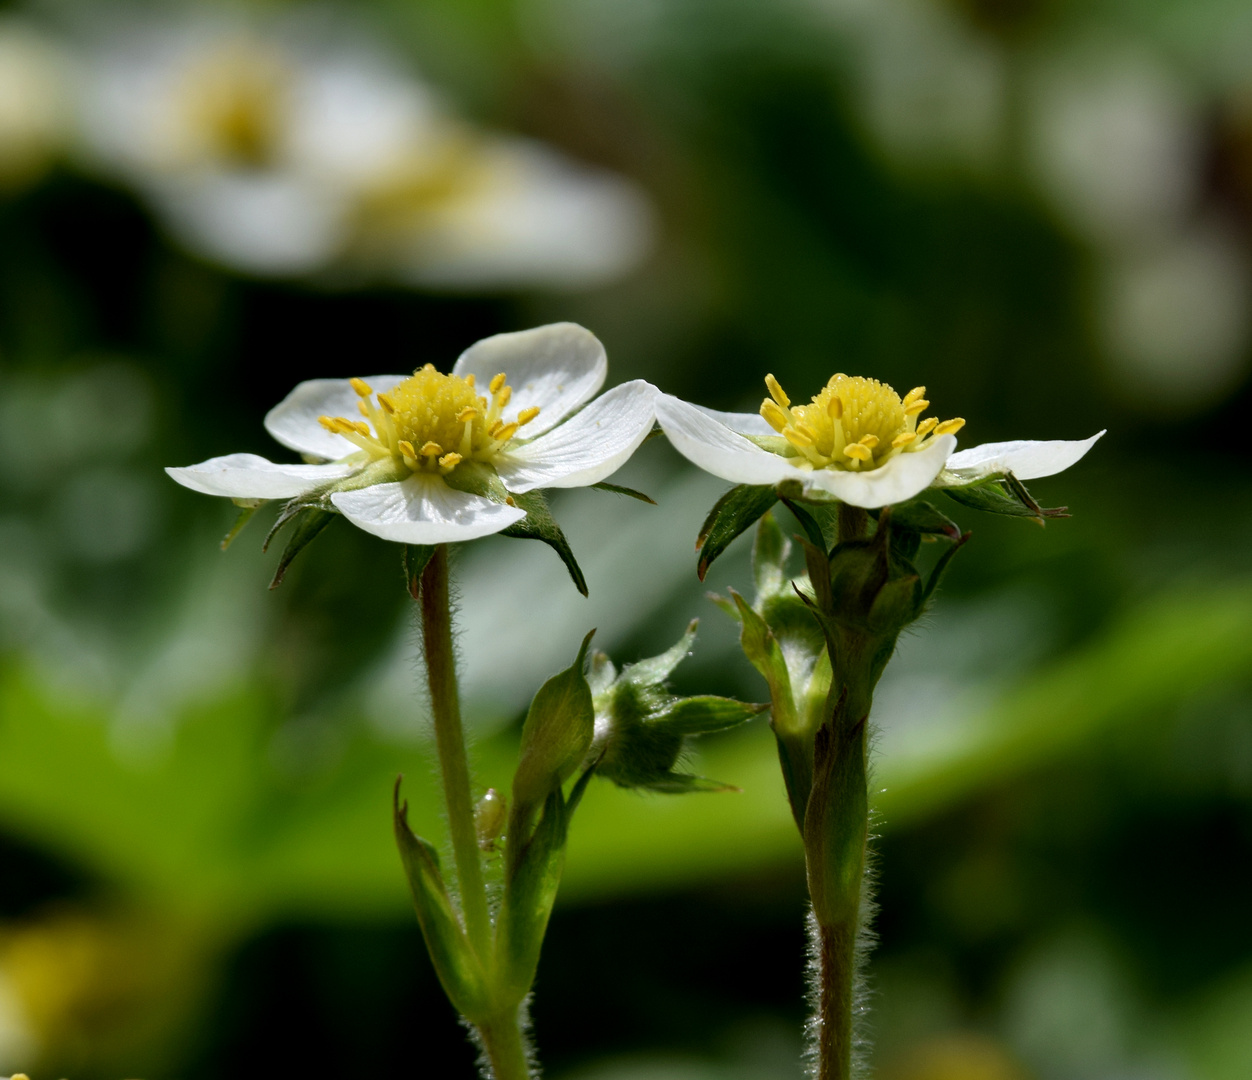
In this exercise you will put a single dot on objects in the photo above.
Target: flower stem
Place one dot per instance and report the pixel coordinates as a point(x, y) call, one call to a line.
point(836, 964)
point(450, 739)
point(505, 1046)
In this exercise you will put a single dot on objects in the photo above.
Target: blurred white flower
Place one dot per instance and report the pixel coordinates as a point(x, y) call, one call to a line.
point(35, 118)
point(430, 449)
point(857, 441)
point(286, 149)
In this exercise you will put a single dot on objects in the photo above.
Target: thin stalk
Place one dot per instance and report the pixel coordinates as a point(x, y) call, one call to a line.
point(505, 1046)
point(445, 705)
point(836, 965)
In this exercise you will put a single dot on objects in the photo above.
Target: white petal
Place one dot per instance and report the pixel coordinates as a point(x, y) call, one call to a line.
point(424, 510)
point(707, 442)
point(745, 423)
point(1025, 459)
point(589, 446)
point(902, 477)
point(247, 476)
point(293, 421)
point(557, 367)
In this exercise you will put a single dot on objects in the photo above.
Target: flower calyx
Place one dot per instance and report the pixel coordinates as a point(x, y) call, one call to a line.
point(642, 730)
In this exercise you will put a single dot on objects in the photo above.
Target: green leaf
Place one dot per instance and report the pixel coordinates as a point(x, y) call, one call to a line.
point(770, 551)
point(618, 489)
point(459, 970)
point(919, 516)
point(555, 738)
point(245, 515)
point(836, 823)
point(539, 524)
point(309, 525)
point(764, 653)
point(739, 509)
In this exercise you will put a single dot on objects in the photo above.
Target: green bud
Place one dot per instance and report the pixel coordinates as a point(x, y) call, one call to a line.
point(489, 815)
point(642, 730)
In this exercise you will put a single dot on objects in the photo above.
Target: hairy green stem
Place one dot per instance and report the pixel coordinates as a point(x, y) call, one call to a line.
point(445, 706)
point(836, 965)
point(505, 1046)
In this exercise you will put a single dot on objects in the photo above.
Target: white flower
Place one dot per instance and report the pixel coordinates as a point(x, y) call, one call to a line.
point(857, 441)
point(292, 147)
point(407, 457)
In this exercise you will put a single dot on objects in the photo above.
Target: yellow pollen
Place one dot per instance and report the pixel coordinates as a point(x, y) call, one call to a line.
point(851, 423)
point(406, 448)
point(450, 461)
point(496, 383)
point(467, 413)
point(506, 433)
point(389, 406)
point(776, 391)
point(431, 449)
point(504, 396)
point(527, 415)
point(361, 387)
point(774, 414)
point(328, 423)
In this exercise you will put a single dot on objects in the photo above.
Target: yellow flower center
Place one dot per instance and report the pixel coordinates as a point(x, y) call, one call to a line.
point(853, 423)
point(432, 422)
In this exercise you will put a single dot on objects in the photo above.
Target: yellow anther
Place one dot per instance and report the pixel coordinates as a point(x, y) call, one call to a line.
point(774, 414)
point(950, 427)
point(915, 407)
point(776, 391)
point(467, 413)
point(329, 423)
point(428, 367)
point(509, 500)
point(924, 427)
point(869, 441)
point(362, 408)
point(904, 438)
point(797, 438)
point(505, 433)
point(389, 406)
point(913, 395)
point(406, 448)
point(859, 451)
point(504, 396)
point(450, 461)
point(496, 383)
point(835, 407)
point(469, 380)
point(360, 427)
point(527, 415)
point(432, 449)
point(362, 388)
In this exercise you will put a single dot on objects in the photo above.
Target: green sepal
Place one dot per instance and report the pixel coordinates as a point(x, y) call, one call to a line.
point(942, 565)
point(414, 560)
point(656, 669)
point(770, 550)
point(539, 524)
point(246, 511)
point(1005, 495)
point(704, 714)
point(309, 525)
point(820, 521)
point(459, 969)
point(618, 489)
point(765, 654)
point(920, 516)
point(555, 738)
point(739, 509)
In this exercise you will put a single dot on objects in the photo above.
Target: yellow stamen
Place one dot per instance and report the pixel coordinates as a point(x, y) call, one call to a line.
point(527, 415)
point(797, 438)
point(389, 406)
point(834, 407)
point(450, 461)
point(868, 441)
point(913, 395)
point(506, 433)
point(427, 367)
point(776, 391)
point(469, 380)
point(467, 413)
point(915, 407)
point(329, 423)
point(432, 449)
point(925, 426)
point(406, 448)
point(950, 427)
point(504, 396)
point(361, 387)
point(363, 408)
point(509, 500)
point(859, 451)
point(496, 383)
point(774, 415)
point(904, 438)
